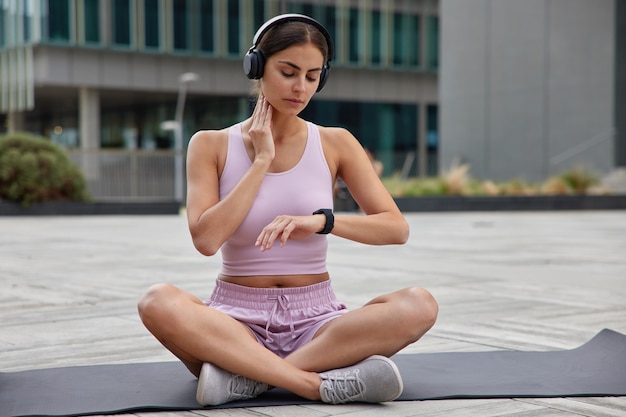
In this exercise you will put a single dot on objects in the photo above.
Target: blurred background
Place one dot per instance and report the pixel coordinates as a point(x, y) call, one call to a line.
point(510, 88)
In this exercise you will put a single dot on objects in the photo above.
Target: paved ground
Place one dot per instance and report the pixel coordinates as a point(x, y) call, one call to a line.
point(526, 281)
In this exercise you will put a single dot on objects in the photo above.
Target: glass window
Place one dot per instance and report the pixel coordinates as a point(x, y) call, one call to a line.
point(405, 39)
point(233, 27)
point(328, 19)
point(121, 22)
point(207, 37)
point(432, 139)
point(384, 127)
point(433, 42)
point(307, 9)
point(432, 123)
point(92, 21)
point(294, 7)
point(26, 21)
point(413, 33)
point(353, 36)
point(405, 127)
point(376, 38)
point(3, 25)
point(181, 25)
point(151, 14)
point(398, 39)
point(258, 14)
point(58, 20)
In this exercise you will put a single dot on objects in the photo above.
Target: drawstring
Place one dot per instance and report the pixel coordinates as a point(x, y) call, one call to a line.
point(283, 302)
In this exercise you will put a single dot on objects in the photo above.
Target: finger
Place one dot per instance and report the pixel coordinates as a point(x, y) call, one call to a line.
point(268, 114)
point(284, 237)
point(268, 242)
point(262, 119)
point(265, 239)
point(257, 106)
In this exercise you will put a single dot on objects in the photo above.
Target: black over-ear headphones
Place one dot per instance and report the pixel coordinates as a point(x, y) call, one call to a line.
point(254, 61)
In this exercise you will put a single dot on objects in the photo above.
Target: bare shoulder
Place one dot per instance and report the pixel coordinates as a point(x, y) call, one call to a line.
point(335, 133)
point(208, 146)
point(343, 151)
point(207, 152)
point(212, 139)
point(337, 139)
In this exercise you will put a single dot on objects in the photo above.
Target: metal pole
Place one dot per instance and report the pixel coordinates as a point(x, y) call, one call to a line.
point(178, 144)
point(179, 184)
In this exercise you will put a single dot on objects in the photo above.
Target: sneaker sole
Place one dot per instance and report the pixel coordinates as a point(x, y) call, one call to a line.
point(202, 379)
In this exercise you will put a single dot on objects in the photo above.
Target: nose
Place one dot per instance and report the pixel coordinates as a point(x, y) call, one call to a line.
point(299, 84)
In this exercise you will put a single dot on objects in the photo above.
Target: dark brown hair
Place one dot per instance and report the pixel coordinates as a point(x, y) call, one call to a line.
point(285, 35)
point(288, 34)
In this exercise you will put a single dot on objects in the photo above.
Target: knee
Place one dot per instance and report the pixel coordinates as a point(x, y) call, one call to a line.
point(153, 305)
point(421, 308)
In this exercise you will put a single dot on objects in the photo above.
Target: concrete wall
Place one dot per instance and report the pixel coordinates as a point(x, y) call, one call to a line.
point(526, 86)
point(117, 70)
point(620, 83)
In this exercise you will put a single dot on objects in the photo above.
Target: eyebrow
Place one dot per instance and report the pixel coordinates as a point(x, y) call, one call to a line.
point(294, 66)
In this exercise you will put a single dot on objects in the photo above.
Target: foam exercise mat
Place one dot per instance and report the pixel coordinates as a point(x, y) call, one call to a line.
point(597, 368)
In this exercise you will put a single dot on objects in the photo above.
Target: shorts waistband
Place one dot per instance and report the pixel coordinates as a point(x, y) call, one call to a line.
point(266, 298)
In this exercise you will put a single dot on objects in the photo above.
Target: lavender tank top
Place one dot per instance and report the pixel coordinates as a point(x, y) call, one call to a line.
point(298, 191)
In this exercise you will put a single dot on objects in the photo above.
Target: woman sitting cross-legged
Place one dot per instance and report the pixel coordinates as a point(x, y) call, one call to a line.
point(261, 192)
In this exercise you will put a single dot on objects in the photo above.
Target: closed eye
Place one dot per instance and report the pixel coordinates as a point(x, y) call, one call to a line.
point(291, 74)
point(287, 74)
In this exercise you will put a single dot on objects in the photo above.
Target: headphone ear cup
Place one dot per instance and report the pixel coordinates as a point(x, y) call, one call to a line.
point(253, 63)
point(323, 77)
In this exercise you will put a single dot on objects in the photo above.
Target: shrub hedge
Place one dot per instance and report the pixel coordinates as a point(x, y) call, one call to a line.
point(34, 169)
point(458, 182)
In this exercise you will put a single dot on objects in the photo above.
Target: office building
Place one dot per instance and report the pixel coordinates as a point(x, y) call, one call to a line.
point(100, 74)
point(525, 88)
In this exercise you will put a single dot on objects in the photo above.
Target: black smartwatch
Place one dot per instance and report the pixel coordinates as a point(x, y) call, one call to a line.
point(330, 221)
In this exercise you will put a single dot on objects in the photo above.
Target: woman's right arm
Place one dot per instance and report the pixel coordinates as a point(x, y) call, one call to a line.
point(211, 220)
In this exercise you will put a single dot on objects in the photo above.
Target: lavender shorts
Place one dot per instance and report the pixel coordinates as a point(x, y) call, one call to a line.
point(282, 319)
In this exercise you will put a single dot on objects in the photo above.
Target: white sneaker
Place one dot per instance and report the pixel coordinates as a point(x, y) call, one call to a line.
point(373, 380)
point(217, 386)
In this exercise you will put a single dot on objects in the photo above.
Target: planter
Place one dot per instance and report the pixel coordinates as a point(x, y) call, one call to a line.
point(75, 208)
point(512, 203)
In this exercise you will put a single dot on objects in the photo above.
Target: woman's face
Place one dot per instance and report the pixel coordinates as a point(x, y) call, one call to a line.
point(291, 76)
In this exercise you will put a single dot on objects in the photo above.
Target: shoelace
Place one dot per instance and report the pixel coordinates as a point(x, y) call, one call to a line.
point(244, 388)
point(342, 388)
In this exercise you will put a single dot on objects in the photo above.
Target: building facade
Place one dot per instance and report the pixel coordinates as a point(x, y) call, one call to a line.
point(525, 89)
point(105, 74)
point(530, 88)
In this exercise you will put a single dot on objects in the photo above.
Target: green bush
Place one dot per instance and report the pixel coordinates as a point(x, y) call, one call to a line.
point(34, 169)
point(579, 179)
point(457, 181)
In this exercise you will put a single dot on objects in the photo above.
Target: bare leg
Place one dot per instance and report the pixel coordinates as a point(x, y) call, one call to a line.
point(196, 333)
point(383, 326)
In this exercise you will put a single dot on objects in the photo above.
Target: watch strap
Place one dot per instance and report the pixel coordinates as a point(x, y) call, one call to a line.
point(330, 220)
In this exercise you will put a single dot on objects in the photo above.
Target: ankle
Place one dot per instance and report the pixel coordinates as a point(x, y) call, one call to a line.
point(313, 386)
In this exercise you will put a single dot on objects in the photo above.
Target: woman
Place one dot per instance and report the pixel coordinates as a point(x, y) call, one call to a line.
point(261, 192)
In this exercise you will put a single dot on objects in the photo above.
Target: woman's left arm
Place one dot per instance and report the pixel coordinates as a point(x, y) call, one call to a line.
point(383, 223)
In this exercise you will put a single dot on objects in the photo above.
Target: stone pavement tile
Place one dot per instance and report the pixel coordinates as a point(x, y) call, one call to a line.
point(515, 280)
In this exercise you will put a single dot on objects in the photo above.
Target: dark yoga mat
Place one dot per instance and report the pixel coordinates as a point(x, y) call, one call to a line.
point(597, 368)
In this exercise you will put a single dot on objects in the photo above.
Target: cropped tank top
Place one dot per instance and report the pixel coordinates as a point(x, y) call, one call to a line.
point(298, 191)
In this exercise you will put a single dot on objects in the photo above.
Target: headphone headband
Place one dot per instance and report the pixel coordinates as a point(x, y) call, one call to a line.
point(254, 60)
point(293, 17)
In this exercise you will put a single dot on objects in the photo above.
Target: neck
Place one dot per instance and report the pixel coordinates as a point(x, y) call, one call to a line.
point(285, 127)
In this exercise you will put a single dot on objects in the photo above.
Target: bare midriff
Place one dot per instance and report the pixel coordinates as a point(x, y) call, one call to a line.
point(276, 281)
